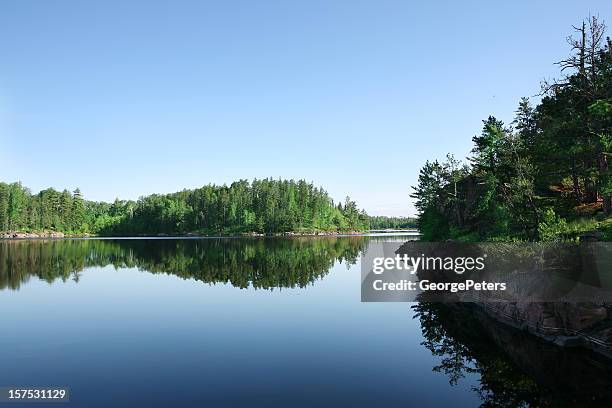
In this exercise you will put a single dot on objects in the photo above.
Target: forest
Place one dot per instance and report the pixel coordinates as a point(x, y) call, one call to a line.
point(260, 206)
point(546, 175)
point(383, 222)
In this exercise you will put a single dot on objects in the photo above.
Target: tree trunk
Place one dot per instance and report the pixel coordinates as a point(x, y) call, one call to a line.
point(576, 183)
point(603, 175)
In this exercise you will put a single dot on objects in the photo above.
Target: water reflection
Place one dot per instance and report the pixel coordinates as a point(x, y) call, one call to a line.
point(259, 263)
point(515, 368)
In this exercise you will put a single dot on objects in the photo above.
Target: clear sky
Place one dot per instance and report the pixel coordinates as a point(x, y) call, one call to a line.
point(127, 98)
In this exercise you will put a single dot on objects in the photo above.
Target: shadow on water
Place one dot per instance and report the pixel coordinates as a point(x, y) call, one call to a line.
point(516, 369)
point(260, 263)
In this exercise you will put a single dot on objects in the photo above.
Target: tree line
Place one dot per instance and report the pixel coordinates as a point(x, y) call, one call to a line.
point(546, 176)
point(383, 222)
point(261, 206)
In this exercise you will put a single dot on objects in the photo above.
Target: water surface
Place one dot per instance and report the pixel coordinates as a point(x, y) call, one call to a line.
point(256, 321)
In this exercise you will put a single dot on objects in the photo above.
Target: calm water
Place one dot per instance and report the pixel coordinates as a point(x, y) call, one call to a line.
point(270, 322)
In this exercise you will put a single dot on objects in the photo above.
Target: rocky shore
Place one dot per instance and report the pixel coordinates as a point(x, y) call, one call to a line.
point(252, 234)
point(586, 325)
point(562, 297)
point(31, 235)
point(54, 234)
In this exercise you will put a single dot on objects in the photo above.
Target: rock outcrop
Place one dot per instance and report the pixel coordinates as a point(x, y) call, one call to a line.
point(31, 235)
point(558, 292)
point(586, 325)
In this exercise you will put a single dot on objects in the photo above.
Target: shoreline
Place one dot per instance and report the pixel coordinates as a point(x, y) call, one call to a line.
point(60, 235)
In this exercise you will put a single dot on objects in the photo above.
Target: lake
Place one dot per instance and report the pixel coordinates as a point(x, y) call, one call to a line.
point(258, 322)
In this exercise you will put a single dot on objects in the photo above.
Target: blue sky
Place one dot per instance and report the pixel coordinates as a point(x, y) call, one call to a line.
point(127, 98)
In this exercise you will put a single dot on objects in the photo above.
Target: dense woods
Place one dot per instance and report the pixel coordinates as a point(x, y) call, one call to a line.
point(263, 206)
point(383, 222)
point(546, 175)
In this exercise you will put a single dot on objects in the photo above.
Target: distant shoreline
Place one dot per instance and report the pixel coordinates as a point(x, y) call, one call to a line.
point(61, 235)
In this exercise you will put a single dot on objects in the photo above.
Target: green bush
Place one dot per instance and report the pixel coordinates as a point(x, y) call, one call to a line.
point(552, 227)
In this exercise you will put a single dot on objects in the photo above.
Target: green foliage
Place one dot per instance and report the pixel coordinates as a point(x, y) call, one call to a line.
point(263, 206)
point(536, 179)
point(552, 227)
point(555, 228)
point(382, 222)
point(433, 226)
point(48, 210)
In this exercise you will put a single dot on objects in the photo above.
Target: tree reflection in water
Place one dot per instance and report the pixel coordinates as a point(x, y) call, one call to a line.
point(516, 369)
point(250, 262)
